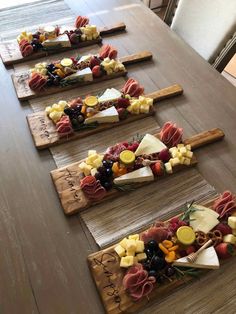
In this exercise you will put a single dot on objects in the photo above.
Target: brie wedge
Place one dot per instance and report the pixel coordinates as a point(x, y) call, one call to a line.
point(141, 175)
point(206, 259)
point(149, 145)
point(81, 75)
point(110, 94)
point(109, 115)
point(61, 40)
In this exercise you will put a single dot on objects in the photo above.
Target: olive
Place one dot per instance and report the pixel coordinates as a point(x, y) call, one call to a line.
point(149, 253)
point(98, 176)
point(152, 245)
point(68, 111)
point(153, 273)
point(80, 118)
point(158, 263)
point(109, 172)
point(107, 185)
point(107, 163)
point(102, 170)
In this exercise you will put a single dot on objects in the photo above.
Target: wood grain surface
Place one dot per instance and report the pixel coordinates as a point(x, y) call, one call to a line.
point(44, 131)
point(43, 264)
point(24, 92)
point(108, 275)
point(67, 179)
point(10, 52)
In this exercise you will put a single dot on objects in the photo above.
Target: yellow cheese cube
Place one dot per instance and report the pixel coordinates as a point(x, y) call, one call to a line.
point(123, 243)
point(183, 150)
point(232, 222)
point(179, 146)
point(48, 110)
point(130, 245)
point(189, 154)
point(130, 252)
point(144, 108)
point(141, 257)
point(174, 153)
point(90, 159)
point(93, 171)
point(127, 261)
point(120, 250)
point(168, 167)
point(97, 162)
point(188, 147)
point(92, 152)
point(82, 165)
point(87, 170)
point(174, 161)
point(229, 238)
point(187, 161)
point(139, 246)
point(133, 237)
point(181, 159)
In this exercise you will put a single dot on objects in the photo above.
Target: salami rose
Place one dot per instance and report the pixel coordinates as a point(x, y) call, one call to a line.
point(137, 282)
point(132, 88)
point(64, 126)
point(37, 81)
point(171, 135)
point(225, 204)
point(107, 51)
point(92, 188)
point(81, 21)
point(26, 48)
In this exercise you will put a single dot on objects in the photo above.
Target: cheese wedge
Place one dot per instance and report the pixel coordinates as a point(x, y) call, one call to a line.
point(149, 145)
point(109, 115)
point(109, 94)
point(81, 75)
point(61, 40)
point(204, 219)
point(141, 175)
point(206, 259)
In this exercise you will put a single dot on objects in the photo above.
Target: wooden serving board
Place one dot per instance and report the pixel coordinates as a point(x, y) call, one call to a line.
point(67, 179)
point(23, 91)
point(10, 52)
point(44, 131)
point(108, 275)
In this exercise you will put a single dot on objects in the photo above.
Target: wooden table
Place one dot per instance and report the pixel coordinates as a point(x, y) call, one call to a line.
point(43, 254)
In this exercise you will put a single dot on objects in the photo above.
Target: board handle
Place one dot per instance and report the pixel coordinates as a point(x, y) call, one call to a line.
point(165, 93)
point(112, 29)
point(204, 138)
point(137, 57)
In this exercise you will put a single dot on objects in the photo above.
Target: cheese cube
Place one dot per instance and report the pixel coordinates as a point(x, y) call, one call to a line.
point(123, 243)
point(189, 154)
point(141, 257)
point(183, 150)
point(127, 261)
point(234, 231)
point(173, 149)
point(174, 161)
point(188, 147)
point(187, 161)
point(87, 170)
point(131, 245)
point(134, 237)
point(139, 246)
point(93, 171)
point(135, 260)
point(174, 153)
point(130, 252)
point(97, 162)
point(229, 238)
point(181, 159)
point(179, 146)
point(168, 167)
point(232, 222)
point(120, 250)
point(92, 152)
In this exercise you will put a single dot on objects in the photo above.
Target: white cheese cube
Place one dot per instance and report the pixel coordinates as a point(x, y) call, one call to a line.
point(127, 261)
point(168, 167)
point(92, 152)
point(187, 161)
point(131, 244)
point(188, 147)
point(181, 159)
point(179, 146)
point(183, 150)
point(133, 237)
point(232, 222)
point(189, 154)
point(130, 252)
point(139, 246)
point(174, 161)
point(141, 257)
point(93, 171)
point(229, 238)
point(120, 250)
point(123, 243)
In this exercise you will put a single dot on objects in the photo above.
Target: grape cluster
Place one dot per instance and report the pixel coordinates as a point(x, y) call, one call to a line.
point(53, 79)
point(35, 43)
point(76, 116)
point(155, 263)
point(105, 174)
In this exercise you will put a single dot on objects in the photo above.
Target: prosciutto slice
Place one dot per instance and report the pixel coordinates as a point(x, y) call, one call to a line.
point(158, 234)
point(37, 81)
point(108, 51)
point(92, 188)
point(225, 204)
point(137, 282)
point(171, 135)
point(81, 21)
point(64, 126)
point(133, 88)
point(26, 48)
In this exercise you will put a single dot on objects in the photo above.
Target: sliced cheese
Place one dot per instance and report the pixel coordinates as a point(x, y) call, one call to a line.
point(109, 95)
point(61, 40)
point(140, 175)
point(149, 145)
point(85, 58)
point(203, 219)
point(109, 115)
point(206, 259)
point(81, 75)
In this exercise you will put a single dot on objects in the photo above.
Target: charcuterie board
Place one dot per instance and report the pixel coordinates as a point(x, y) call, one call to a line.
point(11, 54)
point(118, 284)
point(24, 92)
point(45, 134)
point(68, 179)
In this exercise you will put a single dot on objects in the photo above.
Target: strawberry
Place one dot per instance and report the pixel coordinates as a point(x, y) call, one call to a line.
point(94, 61)
point(190, 249)
point(223, 228)
point(133, 146)
point(122, 113)
point(225, 250)
point(74, 38)
point(96, 71)
point(157, 168)
point(164, 155)
point(123, 102)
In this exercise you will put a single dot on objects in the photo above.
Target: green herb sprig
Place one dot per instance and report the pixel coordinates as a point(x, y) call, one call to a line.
point(181, 272)
point(188, 210)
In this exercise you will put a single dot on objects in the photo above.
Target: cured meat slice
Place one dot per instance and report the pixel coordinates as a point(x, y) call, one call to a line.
point(81, 21)
point(26, 48)
point(171, 135)
point(37, 81)
point(108, 51)
point(225, 204)
point(158, 234)
point(64, 126)
point(133, 88)
point(92, 188)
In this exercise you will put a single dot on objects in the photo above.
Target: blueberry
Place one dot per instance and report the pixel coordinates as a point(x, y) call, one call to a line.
point(107, 163)
point(170, 271)
point(153, 273)
point(146, 265)
point(68, 111)
point(158, 263)
point(109, 172)
point(149, 253)
point(152, 245)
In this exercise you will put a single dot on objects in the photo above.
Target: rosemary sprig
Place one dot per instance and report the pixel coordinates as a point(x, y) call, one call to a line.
point(188, 210)
point(181, 272)
point(138, 137)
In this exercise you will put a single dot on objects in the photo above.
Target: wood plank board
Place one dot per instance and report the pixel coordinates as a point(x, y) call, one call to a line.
point(44, 132)
point(10, 52)
point(108, 275)
point(23, 91)
point(67, 179)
